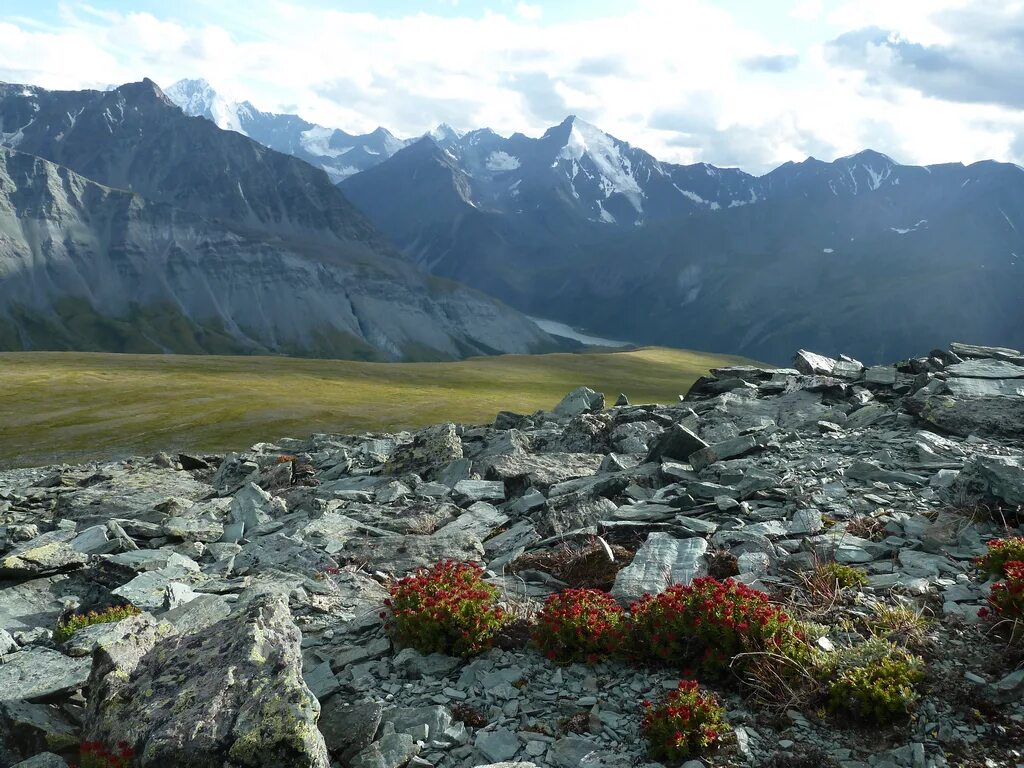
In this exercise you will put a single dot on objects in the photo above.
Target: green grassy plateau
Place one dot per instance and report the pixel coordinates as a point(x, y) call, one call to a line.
point(72, 406)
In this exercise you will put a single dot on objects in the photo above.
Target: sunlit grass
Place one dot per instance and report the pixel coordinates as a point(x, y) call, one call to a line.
point(69, 406)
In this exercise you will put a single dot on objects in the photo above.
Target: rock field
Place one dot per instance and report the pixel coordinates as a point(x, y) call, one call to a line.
point(260, 576)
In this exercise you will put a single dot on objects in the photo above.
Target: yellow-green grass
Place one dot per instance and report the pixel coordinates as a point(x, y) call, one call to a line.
point(72, 406)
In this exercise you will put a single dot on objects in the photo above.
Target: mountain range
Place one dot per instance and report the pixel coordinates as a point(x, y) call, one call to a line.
point(260, 251)
point(126, 225)
point(338, 153)
point(862, 254)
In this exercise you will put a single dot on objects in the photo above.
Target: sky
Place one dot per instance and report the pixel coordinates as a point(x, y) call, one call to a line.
point(748, 83)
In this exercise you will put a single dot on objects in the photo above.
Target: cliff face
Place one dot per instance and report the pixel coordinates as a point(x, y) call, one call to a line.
point(84, 266)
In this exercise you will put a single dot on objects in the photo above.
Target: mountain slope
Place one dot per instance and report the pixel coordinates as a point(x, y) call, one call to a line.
point(861, 254)
point(872, 273)
point(87, 267)
point(338, 153)
point(134, 138)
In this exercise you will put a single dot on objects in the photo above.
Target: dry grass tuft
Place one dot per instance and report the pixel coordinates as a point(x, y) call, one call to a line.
point(584, 565)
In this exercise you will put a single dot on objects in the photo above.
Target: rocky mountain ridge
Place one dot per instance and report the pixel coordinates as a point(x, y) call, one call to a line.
point(580, 227)
point(260, 575)
point(150, 231)
point(338, 153)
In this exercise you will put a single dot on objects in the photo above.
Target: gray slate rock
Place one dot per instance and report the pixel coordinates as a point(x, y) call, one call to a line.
point(349, 728)
point(580, 400)
point(42, 760)
point(992, 477)
point(660, 562)
point(393, 750)
point(677, 443)
point(472, 491)
point(46, 554)
point(235, 690)
point(431, 450)
point(38, 672)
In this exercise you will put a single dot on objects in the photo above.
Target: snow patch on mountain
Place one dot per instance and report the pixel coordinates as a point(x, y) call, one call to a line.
point(877, 177)
point(317, 141)
point(502, 161)
point(902, 231)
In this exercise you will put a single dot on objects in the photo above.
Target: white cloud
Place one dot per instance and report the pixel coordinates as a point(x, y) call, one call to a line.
point(671, 76)
point(529, 11)
point(807, 10)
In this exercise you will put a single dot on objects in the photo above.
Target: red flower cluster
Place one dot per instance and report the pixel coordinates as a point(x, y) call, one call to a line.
point(96, 754)
point(1007, 597)
point(687, 723)
point(708, 622)
point(1000, 552)
point(447, 608)
point(579, 625)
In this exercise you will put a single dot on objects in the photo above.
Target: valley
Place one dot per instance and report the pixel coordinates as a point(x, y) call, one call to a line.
point(82, 406)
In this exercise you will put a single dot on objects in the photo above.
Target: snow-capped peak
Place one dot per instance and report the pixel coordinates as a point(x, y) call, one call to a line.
point(198, 98)
point(615, 169)
point(445, 132)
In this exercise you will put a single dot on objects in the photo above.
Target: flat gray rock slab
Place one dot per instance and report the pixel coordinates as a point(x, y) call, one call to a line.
point(129, 494)
point(42, 760)
point(402, 554)
point(986, 369)
point(662, 561)
point(38, 672)
point(480, 490)
point(46, 554)
point(479, 520)
point(33, 603)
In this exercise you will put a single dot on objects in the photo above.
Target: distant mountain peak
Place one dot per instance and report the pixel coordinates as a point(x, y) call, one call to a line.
point(338, 153)
point(444, 133)
point(868, 156)
point(198, 98)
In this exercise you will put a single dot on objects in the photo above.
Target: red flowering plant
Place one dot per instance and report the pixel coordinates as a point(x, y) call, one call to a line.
point(447, 608)
point(96, 754)
point(1006, 599)
point(1000, 552)
point(689, 722)
point(708, 622)
point(579, 625)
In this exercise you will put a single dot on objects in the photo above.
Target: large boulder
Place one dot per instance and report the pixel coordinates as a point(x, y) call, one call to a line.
point(230, 695)
point(580, 400)
point(991, 407)
point(991, 478)
point(430, 451)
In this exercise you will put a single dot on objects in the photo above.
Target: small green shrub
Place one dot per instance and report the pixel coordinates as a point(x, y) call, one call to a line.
point(67, 626)
point(827, 579)
point(1000, 552)
point(689, 722)
point(874, 681)
point(447, 608)
point(707, 623)
point(579, 625)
